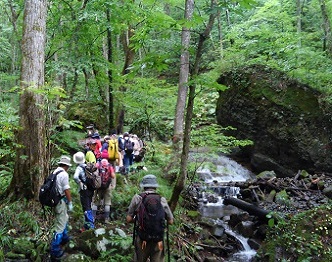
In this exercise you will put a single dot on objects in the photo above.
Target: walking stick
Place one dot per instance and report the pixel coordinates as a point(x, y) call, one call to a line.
point(134, 230)
point(167, 240)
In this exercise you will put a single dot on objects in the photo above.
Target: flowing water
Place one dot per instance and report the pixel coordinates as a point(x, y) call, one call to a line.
point(227, 170)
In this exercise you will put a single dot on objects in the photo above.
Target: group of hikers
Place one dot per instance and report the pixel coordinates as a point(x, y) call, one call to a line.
point(147, 210)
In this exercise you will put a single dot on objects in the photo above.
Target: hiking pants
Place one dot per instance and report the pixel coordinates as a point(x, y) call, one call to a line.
point(86, 199)
point(128, 161)
point(61, 217)
point(150, 250)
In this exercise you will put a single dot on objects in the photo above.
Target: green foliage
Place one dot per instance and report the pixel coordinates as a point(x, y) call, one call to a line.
point(8, 127)
point(149, 108)
point(269, 36)
point(16, 218)
point(305, 237)
point(212, 136)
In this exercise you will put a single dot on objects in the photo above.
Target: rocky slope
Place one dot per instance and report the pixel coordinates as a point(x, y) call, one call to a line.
point(289, 122)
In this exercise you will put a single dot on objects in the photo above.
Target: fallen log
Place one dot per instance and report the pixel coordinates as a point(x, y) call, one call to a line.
point(250, 208)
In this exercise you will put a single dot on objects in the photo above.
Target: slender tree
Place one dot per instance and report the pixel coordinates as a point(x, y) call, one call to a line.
point(327, 43)
point(180, 183)
point(30, 165)
point(184, 75)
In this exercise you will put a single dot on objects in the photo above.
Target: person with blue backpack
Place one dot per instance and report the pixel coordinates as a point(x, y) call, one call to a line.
point(149, 211)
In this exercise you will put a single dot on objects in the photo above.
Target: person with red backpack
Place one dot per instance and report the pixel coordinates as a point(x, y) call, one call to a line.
point(149, 211)
point(103, 195)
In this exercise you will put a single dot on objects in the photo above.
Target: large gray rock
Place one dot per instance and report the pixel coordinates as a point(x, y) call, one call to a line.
point(289, 122)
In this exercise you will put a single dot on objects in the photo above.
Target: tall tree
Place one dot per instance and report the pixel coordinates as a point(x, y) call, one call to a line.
point(184, 75)
point(180, 183)
point(327, 44)
point(30, 165)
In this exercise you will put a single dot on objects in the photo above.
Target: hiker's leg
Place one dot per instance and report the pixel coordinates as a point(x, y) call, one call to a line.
point(131, 161)
point(56, 251)
point(108, 202)
point(126, 163)
point(65, 237)
point(89, 220)
point(95, 203)
point(61, 217)
point(141, 254)
point(61, 220)
point(157, 252)
point(86, 205)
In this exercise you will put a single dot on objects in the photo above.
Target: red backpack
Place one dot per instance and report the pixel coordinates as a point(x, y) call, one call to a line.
point(106, 173)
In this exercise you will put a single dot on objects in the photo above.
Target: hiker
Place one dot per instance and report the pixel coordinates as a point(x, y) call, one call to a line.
point(145, 248)
point(104, 147)
point(137, 145)
point(65, 205)
point(86, 193)
point(103, 195)
point(90, 156)
point(128, 156)
point(115, 157)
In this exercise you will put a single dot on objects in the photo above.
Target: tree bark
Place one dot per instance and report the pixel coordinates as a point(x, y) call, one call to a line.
point(30, 163)
point(183, 77)
point(110, 75)
point(180, 183)
point(327, 44)
point(299, 21)
point(250, 208)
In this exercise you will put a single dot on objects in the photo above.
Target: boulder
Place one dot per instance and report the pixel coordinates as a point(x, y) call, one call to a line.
point(289, 122)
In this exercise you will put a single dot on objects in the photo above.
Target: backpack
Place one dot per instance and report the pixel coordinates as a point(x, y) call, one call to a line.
point(140, 156)
point(93, 179)
point(151, 218)
point(128, 146)
point(113, 152)
point(105, 175)
point(121, 143)
point(48, 192)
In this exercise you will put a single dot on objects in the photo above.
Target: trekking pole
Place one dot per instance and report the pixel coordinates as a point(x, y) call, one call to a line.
point(134, 230)
point(167, 240)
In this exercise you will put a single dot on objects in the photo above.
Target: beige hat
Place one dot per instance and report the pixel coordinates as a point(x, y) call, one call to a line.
point(65, 160)
point(79, 158)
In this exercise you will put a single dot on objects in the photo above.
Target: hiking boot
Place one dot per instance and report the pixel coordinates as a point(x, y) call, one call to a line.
point(65, 241)
point(107, 221)
point(58, 258)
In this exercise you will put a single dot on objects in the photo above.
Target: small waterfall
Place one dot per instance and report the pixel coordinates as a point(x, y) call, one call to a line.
point(247, 253)
point(213, 192)
point(227, 170)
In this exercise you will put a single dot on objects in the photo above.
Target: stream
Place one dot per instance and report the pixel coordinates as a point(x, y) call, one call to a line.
point(226, 171)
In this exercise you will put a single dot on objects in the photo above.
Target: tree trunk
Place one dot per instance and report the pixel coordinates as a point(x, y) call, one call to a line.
point(30, 163)
point(299, 21)
point(180, 183)
point(110, 75)
point(327, 44)
point(129, 59)
point(250, 208)
point(183, 78)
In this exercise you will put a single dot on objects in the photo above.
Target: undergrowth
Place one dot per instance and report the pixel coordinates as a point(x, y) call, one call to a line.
point(305, 237)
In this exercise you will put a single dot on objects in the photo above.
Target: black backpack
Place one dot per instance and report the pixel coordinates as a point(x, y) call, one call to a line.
point(151, 218)
point(48, 192)
point(128, 146)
